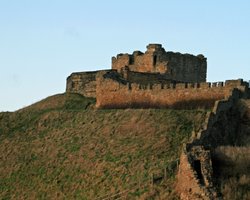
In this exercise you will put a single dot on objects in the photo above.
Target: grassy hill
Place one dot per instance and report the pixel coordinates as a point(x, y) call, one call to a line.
point(63, 148)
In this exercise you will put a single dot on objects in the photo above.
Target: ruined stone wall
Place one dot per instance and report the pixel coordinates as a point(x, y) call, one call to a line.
point(220, 128)
point(114, 94)
point(146, 78)
point(186, 67)
point(83, 83)
point(177, 66)
point(222, 123)
point(195, 175)
point(186, 176)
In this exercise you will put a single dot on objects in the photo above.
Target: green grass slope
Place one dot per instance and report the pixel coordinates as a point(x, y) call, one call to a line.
point(63, 148)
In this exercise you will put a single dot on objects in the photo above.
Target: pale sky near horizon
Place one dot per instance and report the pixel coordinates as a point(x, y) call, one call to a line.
point(44, 41)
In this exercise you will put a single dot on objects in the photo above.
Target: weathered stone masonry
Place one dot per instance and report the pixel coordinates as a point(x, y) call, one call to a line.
point(156, 78)
point(154, 66)
point(176, 66)
point(160, 79)
point(113, 93)
point(83, 83)
point(220, 128)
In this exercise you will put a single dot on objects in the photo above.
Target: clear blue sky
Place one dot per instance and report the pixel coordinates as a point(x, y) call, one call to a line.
point(44, 41)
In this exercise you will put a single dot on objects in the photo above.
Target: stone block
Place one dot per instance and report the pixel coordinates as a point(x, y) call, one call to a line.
point(234, 83)
point(214, 84)
point(205, 85)
point(220, 84)
point(180, 86)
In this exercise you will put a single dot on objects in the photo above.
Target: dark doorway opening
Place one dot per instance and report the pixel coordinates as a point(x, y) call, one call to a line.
point(197, 168)
point(131, 60)
point(154, 60)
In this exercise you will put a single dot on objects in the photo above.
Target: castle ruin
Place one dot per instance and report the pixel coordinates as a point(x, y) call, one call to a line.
point(160, 79)
point(173, 66)
point(156, 78)
point(154, 66)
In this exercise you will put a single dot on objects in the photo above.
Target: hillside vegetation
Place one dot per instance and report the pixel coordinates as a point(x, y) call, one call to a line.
point(232, 163)
point(232, 172)
point(63, 148)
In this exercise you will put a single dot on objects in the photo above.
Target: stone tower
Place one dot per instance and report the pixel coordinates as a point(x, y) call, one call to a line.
point(175, 66)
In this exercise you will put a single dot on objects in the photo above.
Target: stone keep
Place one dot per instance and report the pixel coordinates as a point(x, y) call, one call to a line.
point(175, 66)
point(155, 66)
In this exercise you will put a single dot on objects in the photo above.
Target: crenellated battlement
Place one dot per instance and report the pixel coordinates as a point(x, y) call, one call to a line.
point(177, 86)
point(113, 93)
point(204, 85)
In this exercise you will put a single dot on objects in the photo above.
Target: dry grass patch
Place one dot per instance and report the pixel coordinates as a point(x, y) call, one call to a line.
point(232, 171)
point(63, 149)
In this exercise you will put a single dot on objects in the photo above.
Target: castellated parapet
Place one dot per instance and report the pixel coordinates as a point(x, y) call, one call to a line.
point(113, 92)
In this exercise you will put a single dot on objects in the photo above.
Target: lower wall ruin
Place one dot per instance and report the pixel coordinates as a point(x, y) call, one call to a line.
point(194, 181)
point(195, 174)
